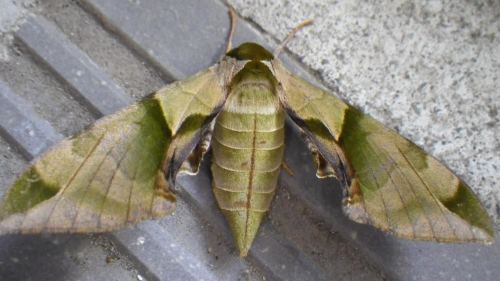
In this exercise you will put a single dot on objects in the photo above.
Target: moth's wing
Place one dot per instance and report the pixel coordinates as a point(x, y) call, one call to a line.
point(112, 174)
point(390, 182)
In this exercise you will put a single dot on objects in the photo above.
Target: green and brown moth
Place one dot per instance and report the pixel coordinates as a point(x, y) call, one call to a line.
point(122, 169)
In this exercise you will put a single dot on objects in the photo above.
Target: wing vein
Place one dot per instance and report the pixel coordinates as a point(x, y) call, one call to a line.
point(82, 199)
point(132, 185)
point(378, 188)
point(193, 96)
point(70, 181)
point(400, 197)
point(410, 185)
point(111, 181)
point(430, 193)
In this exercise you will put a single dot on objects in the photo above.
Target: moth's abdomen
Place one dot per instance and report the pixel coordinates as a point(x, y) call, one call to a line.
point(241, 166)
point(248, 145)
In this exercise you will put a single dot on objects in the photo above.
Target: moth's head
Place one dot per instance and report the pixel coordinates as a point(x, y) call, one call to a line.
point(250, 51)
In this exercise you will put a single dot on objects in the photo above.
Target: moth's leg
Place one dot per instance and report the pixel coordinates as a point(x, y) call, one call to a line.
point(353, 205)
point(186, 152)
point(336, 166)
point(324, 169)
point(191, 165)
point(162, 188)
point(287, 168)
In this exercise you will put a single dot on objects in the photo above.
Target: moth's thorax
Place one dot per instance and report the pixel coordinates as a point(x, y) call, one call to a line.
point(253, 91)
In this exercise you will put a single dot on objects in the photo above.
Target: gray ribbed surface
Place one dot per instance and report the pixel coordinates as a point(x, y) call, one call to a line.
point(93, 58)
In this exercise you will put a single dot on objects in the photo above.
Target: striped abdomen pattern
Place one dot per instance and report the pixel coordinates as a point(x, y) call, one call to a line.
point(248, 146)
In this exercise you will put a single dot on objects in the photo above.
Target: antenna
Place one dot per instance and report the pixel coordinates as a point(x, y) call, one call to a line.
point(233, 18)
point(290, 35)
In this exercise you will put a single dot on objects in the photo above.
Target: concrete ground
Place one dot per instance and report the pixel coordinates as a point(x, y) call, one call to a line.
point(428, 70)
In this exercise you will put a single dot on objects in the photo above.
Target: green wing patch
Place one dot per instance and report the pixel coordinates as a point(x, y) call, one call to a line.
point(100, 180)
point(113, 174)
point(408, 192)
point(391, 183)
point(197, 95)
point(311, 104)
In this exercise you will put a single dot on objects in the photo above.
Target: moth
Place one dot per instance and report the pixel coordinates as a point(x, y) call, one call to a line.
point(122, 170)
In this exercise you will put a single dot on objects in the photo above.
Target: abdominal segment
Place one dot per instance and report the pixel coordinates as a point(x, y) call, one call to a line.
point(248, 151)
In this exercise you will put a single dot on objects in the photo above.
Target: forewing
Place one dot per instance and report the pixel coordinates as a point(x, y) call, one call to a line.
point(112, 174)
point(313, 106)
point(390, 182)
point(198, 95)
